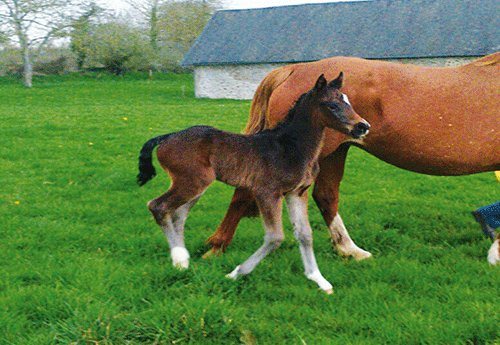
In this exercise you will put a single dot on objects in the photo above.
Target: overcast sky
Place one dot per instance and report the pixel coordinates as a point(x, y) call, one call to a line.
point(227, 4)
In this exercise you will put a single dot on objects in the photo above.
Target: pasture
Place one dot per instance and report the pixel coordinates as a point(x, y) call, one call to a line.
point(83, 262)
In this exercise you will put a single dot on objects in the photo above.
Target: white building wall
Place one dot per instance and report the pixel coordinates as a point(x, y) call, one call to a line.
point(241, 81)
point(437, 62)
point(230, 81)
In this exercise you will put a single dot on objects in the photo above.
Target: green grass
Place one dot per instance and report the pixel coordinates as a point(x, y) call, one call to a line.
point(82, 261)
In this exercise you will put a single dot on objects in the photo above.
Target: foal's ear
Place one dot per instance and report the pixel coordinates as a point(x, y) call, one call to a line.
point(337, 83)
point(321, 83)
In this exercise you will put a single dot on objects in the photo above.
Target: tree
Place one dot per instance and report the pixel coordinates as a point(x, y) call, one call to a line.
point(81, 36)
point(113, 45)
point(3, 38)
point(149, 10)
point(173, 25)
point(33, 23)
point(182, 22)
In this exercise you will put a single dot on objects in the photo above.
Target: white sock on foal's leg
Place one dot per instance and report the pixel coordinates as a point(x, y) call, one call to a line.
point(234, 274)
point(297, 209)
point(180, 257)
point(174, 231)
point(323, 284)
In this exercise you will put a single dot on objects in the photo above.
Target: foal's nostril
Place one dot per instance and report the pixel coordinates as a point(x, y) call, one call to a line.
point(364, 126)
point(360, 129)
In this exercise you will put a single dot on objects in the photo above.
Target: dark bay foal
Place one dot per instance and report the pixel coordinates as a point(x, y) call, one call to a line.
point(274, 164)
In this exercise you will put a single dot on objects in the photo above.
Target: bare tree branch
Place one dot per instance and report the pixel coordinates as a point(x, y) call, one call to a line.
point(33, 23)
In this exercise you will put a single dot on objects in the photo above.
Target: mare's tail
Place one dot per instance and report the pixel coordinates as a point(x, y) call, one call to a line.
point(257, 120)
point(146, 169)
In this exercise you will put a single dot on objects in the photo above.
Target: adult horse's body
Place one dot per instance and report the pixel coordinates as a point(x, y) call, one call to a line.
point(438, 121)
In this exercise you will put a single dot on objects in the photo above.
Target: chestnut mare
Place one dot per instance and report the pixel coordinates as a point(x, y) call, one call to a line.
point(437, 121)
point(272, 164)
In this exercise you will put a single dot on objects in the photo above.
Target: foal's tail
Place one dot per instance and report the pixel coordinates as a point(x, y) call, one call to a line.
point(257, 120)
point(146, 169)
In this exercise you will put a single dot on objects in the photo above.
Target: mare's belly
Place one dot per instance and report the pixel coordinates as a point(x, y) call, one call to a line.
point(437, 158)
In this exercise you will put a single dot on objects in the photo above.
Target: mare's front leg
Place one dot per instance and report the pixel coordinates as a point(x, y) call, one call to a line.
point(241, 202)
point(270, 209)
point(326, 195)
point(297, 209)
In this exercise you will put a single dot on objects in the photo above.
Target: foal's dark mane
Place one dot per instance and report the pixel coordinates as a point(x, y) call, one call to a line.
point(289, 117)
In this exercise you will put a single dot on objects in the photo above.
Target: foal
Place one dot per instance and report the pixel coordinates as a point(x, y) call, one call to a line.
point(277, 163)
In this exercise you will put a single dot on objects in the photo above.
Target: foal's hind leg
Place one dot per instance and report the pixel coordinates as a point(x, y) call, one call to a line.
point(297, 209)
point(175, 238)
point(170, 212)
point(270, 209)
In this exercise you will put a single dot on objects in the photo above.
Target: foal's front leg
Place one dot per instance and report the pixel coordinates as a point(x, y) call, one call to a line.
point(297, 209)
point(270, 209)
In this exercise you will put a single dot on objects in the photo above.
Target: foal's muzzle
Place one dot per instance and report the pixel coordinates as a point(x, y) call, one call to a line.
point(360, 130)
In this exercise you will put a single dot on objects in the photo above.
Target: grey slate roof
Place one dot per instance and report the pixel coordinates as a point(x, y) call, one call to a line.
point(370, 29)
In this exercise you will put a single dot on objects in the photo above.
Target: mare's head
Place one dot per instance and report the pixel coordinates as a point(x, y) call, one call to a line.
point(334, 108)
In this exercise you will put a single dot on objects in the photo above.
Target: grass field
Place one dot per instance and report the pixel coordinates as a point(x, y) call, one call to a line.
point(83, 262)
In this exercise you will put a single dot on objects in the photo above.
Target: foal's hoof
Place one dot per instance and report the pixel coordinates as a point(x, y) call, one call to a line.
point(180, 257)
point(329, 291)
point(323, 284)
point(494, 253)
point(234, 274)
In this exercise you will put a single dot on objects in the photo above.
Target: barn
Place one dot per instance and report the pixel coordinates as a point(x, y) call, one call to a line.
point(238, 48)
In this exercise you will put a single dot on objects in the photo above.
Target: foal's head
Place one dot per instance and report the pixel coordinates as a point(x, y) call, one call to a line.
point(334, 109)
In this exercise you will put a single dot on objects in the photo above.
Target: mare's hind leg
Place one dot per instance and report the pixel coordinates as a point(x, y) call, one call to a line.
point(297, 209)
point(170, 212)
point(241, 203)
point(326, 195)
point(270, 209)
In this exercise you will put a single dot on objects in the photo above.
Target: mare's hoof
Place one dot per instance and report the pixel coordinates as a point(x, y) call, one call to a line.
point(350, 249)
point(362, 255)
point(213, 252)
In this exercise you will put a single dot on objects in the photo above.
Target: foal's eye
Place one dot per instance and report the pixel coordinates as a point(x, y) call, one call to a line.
point(332, 105)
